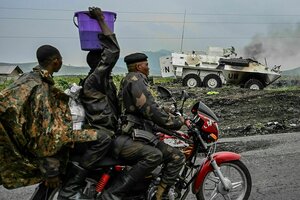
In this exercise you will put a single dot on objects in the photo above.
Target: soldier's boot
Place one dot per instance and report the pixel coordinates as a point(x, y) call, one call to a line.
point(119, 188)
point(160, 191)
point(72, 189)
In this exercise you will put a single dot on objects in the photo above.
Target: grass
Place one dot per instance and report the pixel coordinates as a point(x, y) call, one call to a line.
point(63, 82)
point(285, 88)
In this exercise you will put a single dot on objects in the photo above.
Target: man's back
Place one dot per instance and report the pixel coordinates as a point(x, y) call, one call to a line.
point(14, 161)
point(36, 123)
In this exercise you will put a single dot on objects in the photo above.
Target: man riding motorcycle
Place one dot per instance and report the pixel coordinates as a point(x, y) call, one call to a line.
point(99, 99)
point(141, 112)
point(36, 126)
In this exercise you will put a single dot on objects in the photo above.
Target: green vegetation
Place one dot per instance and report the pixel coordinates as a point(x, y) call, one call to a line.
point(63, 82)
point(285, 88)
point(286, 77)
point(5, 84)
point(160, 80)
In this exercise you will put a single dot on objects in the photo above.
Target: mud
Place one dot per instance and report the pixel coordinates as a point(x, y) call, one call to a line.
point(244, 112)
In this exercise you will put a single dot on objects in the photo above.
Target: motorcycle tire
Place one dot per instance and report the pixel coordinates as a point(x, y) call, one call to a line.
point(212, 188)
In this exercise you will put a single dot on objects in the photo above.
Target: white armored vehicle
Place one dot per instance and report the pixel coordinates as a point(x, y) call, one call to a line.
point(217, 67)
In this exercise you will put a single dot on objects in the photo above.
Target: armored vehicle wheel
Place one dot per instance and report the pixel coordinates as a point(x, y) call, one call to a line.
point(212, 81)
point(191, 80)
point(254, 84)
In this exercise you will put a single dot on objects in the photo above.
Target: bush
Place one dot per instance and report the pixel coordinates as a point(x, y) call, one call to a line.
point(5, 84)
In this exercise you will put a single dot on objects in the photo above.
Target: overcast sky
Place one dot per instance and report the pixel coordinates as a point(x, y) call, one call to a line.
point(259, 28)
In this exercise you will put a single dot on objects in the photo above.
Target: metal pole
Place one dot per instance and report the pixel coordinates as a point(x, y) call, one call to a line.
point(182, 35)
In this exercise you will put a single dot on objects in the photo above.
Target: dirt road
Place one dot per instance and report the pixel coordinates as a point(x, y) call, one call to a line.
point(273, 161)
point(276, 170)
point(274, 164)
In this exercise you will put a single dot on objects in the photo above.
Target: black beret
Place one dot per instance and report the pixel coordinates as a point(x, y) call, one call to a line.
point(45, 52)
point(134, 58)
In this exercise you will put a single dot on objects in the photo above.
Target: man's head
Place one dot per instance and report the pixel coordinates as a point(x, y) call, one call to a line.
point(49, 58)
point(137, 62)
point(93, 58)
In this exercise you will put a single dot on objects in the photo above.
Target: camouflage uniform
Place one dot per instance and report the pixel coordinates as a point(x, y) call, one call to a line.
point(141, 110)
point(36, 125)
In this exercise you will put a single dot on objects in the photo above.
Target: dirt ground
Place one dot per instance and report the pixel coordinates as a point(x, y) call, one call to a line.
point(245, 112)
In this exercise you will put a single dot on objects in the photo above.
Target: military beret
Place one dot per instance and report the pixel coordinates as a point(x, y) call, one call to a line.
point(45, 52)
point(134, 58)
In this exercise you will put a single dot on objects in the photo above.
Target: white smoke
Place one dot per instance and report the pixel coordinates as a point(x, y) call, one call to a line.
point(278, 48)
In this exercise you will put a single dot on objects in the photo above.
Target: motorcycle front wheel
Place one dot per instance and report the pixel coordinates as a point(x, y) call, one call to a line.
point(236, 175)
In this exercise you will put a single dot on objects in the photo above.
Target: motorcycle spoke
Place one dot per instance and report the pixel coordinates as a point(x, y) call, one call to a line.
point(237, 184)
point(214, 179)
point(227, 197)
point(228, 171)
point(213, 194)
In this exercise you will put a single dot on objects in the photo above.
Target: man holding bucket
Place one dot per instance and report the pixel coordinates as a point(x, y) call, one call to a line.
point(98, 97)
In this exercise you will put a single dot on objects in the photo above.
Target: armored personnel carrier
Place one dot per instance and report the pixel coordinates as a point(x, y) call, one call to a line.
point(248, 73)
point(218, 67)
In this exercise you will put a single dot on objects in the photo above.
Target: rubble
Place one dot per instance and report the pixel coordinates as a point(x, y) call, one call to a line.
point(244, 112)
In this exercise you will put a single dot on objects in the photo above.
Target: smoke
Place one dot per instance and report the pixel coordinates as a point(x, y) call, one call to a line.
point(278, 48)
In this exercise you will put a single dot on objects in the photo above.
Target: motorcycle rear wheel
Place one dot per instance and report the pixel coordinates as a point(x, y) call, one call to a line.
point(44, 193)
point(54, 194)
point(234, 172)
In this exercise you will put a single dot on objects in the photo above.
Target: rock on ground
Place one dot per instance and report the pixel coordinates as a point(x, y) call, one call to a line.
point(248, 112)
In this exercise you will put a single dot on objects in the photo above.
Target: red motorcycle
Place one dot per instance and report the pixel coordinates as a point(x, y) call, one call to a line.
point(219, 175)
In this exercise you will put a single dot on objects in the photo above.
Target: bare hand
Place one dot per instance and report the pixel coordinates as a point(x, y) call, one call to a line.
point(53, 182)
point(181, 119)
point(96, 13)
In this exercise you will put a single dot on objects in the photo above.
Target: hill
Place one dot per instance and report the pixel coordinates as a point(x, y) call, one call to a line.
point(292, 72)
point(153, 59)
point(120, 68)
point(65, 69)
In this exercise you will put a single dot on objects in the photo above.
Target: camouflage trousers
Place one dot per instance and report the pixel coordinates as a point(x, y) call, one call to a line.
point(173, 160)
point(148, 157)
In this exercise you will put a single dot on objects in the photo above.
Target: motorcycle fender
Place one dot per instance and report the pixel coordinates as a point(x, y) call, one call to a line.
point(220, 157)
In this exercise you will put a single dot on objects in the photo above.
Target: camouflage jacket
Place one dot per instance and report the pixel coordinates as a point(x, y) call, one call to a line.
point(99, 94)
point(137, 100)
point(36, 124)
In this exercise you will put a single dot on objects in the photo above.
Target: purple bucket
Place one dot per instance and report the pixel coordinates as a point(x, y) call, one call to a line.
point(89, 29)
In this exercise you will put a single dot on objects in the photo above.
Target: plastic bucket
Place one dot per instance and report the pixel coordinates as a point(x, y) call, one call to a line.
point(89, 28)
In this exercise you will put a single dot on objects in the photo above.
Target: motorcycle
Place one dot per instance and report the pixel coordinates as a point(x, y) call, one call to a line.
point(218, 175)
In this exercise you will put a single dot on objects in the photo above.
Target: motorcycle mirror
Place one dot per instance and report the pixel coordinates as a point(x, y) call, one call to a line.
point(184, 95)
point(164, 92)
